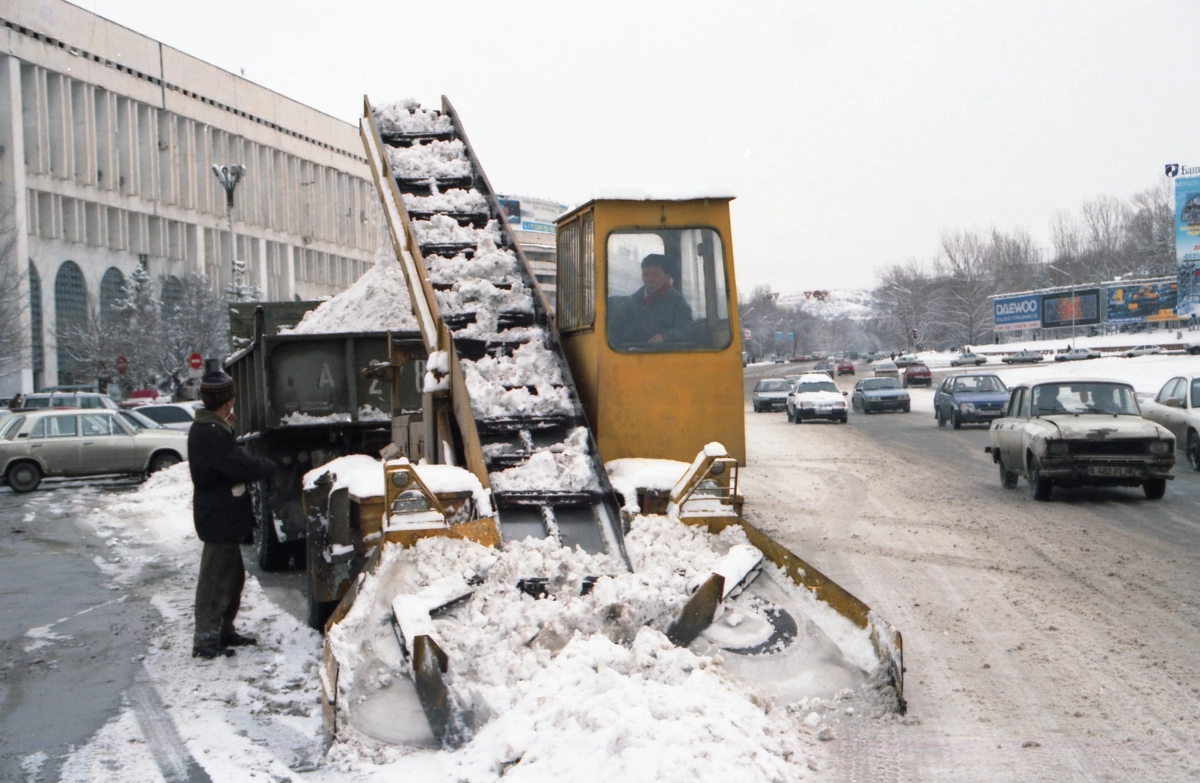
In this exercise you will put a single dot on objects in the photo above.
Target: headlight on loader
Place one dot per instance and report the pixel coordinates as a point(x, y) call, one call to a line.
point(1160, 446)
point(1058, 447)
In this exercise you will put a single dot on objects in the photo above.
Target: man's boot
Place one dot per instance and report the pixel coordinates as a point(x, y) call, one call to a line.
point(211, 651)
point(235, 639)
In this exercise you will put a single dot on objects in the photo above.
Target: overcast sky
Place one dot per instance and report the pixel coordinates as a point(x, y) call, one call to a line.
point(854, 134)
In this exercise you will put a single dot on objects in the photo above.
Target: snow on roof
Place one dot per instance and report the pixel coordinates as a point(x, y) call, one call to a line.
point(663, 193)
point(377, 302)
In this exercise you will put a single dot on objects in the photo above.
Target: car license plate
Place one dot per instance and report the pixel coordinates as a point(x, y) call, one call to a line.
point(1111, 470)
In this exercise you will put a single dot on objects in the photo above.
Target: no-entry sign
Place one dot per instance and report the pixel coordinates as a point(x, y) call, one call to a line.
point(195, 361)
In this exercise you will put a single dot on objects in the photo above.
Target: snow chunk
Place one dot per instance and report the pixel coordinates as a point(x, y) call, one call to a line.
point(377, 302)
point(563, 467)
point(407, 116)
point(440, 159)
point(500, 386)
point(485, 300)
point(453, 200)
point(361, 474)
point(629, 475)
point(489, 263)
point(445, 230)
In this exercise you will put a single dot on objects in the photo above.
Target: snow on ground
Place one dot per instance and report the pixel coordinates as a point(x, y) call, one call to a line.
point(377, 302)
point(1099, 342)
point(577, 687)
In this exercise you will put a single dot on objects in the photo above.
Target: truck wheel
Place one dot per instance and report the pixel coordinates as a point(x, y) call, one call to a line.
point(1155, 488)
point(1039, 486)
point(1193, 450)
point(955, 420)
point(24, 477)
point(319, 612)
point(271, 554)
point(1008, 479)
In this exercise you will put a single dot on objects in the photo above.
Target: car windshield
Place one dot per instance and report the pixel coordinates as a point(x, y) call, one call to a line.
point(139, 421)
point(880, 383)
point(772, 386)
point(978, 383)
point(816, 386)
point(1084, 397)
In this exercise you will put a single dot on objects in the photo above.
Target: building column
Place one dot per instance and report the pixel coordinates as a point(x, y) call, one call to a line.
point(289, 274)
point(264, 280)
point(13, 192)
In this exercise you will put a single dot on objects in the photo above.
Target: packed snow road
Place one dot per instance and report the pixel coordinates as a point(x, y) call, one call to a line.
point(1043, 641)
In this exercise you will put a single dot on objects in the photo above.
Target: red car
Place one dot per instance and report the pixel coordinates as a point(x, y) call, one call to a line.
point(845, 367)
point(917, 375)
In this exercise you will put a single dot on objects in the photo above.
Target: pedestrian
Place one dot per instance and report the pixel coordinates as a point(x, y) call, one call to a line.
point(15, 402)
point(223, 515)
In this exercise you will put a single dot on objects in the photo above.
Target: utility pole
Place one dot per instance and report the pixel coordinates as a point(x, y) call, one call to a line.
point(229, 177)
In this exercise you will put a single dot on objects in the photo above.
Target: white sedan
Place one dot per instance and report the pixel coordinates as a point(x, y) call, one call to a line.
point(173, 416)
point(815, 396)
point(1143, 350)
point(1177, 407)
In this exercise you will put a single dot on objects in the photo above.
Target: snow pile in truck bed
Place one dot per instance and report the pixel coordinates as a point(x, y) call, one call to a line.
point(576, 687)
point(377, 302)
point(440, 159)
point(489, 263)
point(444, 230)
point(500, 387)
point(563, 467)
point(407, 116)
point(453, 200)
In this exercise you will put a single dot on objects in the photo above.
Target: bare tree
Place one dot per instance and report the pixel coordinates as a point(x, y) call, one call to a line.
point(13, 303)
point(965, 264)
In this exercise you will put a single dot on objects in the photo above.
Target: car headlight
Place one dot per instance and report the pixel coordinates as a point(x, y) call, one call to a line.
point(1058, 447)
point(806, 404)
point(966, 407)
point(1160, 446)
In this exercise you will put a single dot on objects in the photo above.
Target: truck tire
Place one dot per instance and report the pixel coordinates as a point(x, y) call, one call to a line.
point(1193, 450)
point(1155, 488)
point(270, 553)
point(1039, 486)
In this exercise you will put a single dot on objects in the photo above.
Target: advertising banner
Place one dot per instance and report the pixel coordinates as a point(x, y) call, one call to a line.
point(1017, 312)
point(1187, 237)
point(1071, 308)
point(531, 214)
point(1142, 303)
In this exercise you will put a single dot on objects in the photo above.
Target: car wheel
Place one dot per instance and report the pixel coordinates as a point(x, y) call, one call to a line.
point(1008, 479)
point(1193, 450)
point(162, 461)
point(941, 419)
point(272, 554)
point(24, 477)
point(1194, 350)
point(1039, 486)
point(796, 418)
point(866, 408)
point(955, 420)
point(1155, 488)
point(842, 420)
point(791, 416)
point(755, 406)
point(907, 408)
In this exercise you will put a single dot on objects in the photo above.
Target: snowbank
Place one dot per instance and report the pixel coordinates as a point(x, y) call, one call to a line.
point(377, 302)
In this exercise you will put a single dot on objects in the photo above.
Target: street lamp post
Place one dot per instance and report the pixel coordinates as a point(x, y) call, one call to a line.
point(229, 177)
point(1073, 302)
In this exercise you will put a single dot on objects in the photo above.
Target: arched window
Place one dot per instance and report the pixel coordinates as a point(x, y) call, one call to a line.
point(112, 290)
point(172, 296)
point(70, 315)
point(35, 323)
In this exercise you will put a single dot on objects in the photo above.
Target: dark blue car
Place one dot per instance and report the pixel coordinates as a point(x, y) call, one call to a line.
point(970, 399)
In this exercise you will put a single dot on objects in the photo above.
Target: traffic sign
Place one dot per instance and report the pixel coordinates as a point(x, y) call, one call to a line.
point(122, 364)
point(195, 361)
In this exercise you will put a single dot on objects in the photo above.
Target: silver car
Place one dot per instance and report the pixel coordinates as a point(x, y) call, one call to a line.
point(81, 443)
point(1177, 407)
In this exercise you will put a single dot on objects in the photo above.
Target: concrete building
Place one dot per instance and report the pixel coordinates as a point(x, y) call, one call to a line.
point(532, 222)
point(107, 142)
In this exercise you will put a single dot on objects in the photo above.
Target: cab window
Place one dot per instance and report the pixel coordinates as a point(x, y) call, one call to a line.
point(54, 427)
point(12, 427)
point(95, 425)
point(1023, 409)
point(1196, 393)
point(1170, 389)
point(667, 291)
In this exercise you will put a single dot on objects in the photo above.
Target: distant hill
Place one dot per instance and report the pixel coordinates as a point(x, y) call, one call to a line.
point(854, 304)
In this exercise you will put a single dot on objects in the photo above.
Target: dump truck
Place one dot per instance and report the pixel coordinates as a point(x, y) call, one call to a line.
point(564, 441)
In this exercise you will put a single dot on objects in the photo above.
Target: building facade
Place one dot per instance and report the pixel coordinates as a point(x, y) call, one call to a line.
point(533, 223)
point(107, 143)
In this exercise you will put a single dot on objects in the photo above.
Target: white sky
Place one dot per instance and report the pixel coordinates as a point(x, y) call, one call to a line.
point(853, 134)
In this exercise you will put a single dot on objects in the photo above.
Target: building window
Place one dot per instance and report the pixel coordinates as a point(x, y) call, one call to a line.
point(172, 296)
point(576, 301)
point(70, 316)
point(112, 290)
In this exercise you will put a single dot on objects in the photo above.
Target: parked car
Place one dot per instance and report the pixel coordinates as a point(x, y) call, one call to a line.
point(887, 370)
point(964, 359)
point(880, 394)
point(825, 367)
point(68, 400)
point(815, 396)
point(140, 397)
point(138, 421)
point(845, 367)
point(1074, 433)
point(906, 360)
point(81, 443)
point(172, 415)
point(1024, 357)
point(917, 375)
point(969, 399)
point(1143, 350)
point(1177, 407)
point(1077, 354)
point(770, 394)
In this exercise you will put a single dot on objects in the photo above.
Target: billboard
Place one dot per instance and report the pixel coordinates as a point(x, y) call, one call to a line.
point(1017, 312)
point(1142, 302)
point(531, 214)
point(1071, 308)
point(1187, 237)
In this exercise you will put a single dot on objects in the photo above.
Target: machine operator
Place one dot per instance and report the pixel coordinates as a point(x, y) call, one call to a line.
point(654, 314)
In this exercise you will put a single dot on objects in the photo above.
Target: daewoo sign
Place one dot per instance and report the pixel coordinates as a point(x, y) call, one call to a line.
point(1018, 312)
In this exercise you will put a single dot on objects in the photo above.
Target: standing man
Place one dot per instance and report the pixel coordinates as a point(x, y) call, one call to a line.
point(221, 471)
